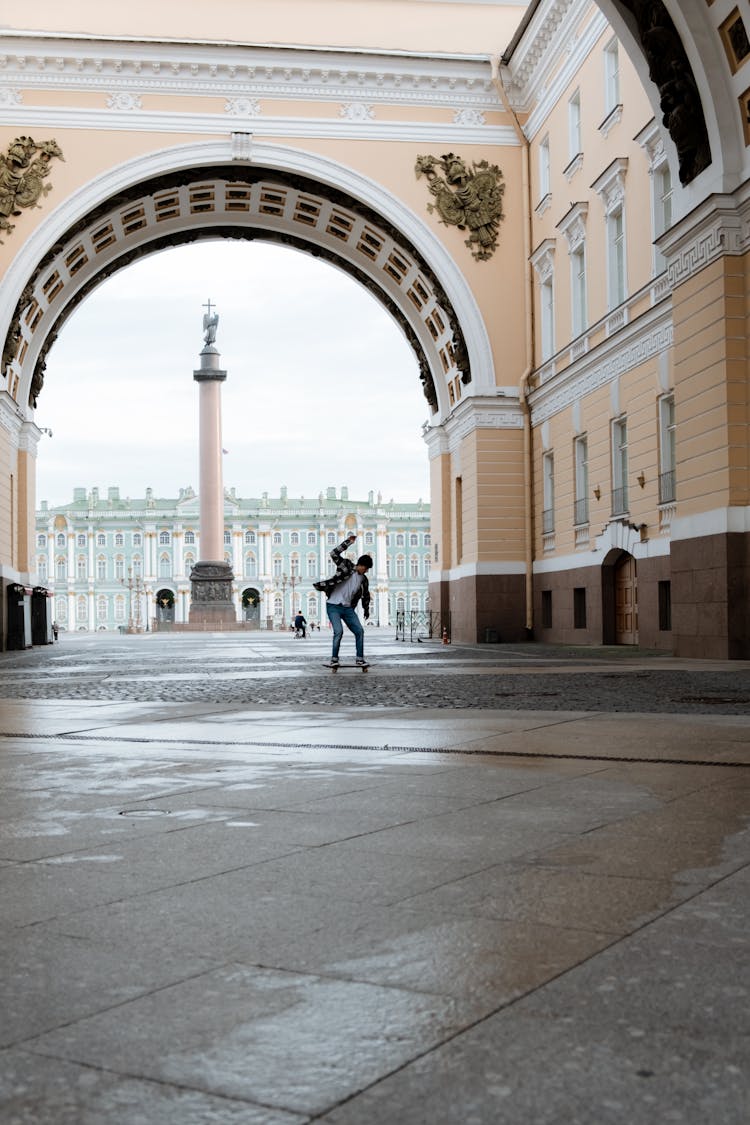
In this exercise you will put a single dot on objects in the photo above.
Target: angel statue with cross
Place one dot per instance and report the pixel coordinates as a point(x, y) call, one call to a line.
point(210, 324)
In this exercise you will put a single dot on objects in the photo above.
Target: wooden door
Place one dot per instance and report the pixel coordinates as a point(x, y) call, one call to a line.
point(626, 602)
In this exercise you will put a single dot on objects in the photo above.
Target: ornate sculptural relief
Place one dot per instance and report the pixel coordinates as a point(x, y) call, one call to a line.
point(468, 198)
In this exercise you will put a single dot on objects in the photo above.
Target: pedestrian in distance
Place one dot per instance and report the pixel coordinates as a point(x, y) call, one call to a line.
point(344, 590)
point(300, 625)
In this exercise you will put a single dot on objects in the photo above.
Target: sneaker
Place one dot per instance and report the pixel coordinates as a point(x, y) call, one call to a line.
point(361, 662)
point(334, 662)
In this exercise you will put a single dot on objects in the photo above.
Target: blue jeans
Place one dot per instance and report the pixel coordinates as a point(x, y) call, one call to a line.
point(340, 615)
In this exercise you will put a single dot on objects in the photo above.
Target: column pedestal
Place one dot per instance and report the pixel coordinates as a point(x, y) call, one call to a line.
point(211, 594)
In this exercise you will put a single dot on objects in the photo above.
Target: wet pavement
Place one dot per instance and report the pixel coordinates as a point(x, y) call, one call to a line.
point(477, 885)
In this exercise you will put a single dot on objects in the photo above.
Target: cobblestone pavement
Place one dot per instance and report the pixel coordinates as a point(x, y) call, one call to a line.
point(276, 670)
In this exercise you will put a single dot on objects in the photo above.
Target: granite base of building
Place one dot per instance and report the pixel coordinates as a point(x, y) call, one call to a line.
point(711, 596)
point(483, 608)
point(211, 601)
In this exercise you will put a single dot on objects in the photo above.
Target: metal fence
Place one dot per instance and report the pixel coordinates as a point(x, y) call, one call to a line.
point(421, 625)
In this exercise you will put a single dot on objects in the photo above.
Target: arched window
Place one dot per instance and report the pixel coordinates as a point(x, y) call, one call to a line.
point(119, 539)
point(277, 538)
point(164, 538)
point(101, 540)
point(227, 538)
point(189, 563)
point(312, 566)
point(414, 566)
point(81, 609)
point(137, 539)
point(413, 540)
point(81, 568)
point(189, 538)
point(42, 567)
point(312, 538)
point(277, 605)
point(400, 603)
point(251, 566)
point(400, 539)
point(41, 541)
point(250, 538)
point(294, 539)
point(277, 567)
point(101, 569)
point(427, 539)
point(119, 567)
point(165, 567)
point(369, 539)
point(101, 608)
point(415, 601)
point(61, 609)
point(61, 540)
point(400, 567)
point(294, 566)
point(119, 608)
point(61, 568)
point(136, 565)
point(81, 540)
point(331, 539)
point(312, 607)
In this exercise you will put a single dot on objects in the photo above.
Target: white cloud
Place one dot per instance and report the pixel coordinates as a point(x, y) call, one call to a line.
point(322, 387)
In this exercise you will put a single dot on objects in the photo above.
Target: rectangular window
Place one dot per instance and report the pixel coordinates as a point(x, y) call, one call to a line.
point(579, 607)
point(616, 258)
point(546, 609)
point(611, 77)
point(579, 299)
point(619, 467)
point(544, 168)
point(548, 318)
point(574, 125)
point(101, 569)
point(665, 607)
point(581, 465)
point(459, 520)
point(548, 485)
point(662, 204)
point(667, 489)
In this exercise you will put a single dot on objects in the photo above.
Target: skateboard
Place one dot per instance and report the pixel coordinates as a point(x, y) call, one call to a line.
point(335, 667)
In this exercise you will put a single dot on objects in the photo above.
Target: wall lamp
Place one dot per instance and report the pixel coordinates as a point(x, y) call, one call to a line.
point(641, 478)
point(597, 491)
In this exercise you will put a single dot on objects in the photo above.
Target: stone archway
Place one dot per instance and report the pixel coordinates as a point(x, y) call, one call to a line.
point(201, 192)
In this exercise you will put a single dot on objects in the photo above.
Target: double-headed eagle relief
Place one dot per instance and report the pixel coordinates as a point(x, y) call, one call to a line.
point(23, 170)
point(470, 199)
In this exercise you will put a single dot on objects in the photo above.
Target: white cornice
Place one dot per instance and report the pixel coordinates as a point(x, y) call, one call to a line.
point(535, 83)
point(114, 120)
point(224, 70)
point(11, 419)
point(719, 227)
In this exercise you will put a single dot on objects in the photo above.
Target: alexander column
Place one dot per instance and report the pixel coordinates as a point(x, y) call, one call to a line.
point(211, 577)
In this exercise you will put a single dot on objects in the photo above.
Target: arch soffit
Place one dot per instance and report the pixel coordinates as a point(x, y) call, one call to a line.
point(459, 349)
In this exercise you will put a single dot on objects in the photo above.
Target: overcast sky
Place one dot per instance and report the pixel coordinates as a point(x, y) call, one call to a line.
point(322, 387)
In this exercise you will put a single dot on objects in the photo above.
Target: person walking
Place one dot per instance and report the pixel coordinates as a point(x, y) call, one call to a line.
point(344, 590)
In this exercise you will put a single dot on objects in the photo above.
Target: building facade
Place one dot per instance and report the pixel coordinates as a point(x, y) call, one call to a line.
point(114, 563)
point(582, 347)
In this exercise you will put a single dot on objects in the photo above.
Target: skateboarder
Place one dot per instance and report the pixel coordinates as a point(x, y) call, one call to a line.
point(344, 590)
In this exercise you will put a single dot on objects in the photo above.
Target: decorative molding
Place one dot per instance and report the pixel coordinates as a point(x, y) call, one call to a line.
point(11, 419)
point(356, 111)
point(616, 356)
point(614, 117)
point(719, 227)
point(469, 117)
point(480, 414)
point(124, 101)
point(573, 225)
point(242, 107)
point(543, 205)
point(324, 128)
point(610, 186)
point(242, 146)
point(543, 259)
point(9, 97)
point(575, 164)
point(28, 438)
point(44, 60)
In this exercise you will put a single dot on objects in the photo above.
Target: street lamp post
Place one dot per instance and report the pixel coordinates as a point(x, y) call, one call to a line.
point(284, 581)
point(293, 581)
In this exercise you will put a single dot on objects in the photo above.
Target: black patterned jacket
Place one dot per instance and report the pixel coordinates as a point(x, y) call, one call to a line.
point(344, 569)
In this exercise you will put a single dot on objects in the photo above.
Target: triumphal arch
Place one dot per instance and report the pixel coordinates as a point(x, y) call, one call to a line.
point(550, 199)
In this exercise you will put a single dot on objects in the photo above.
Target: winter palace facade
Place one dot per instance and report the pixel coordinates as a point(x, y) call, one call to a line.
point(113, 563)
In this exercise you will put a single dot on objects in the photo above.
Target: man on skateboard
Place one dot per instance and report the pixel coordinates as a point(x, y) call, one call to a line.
point(344, 590)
